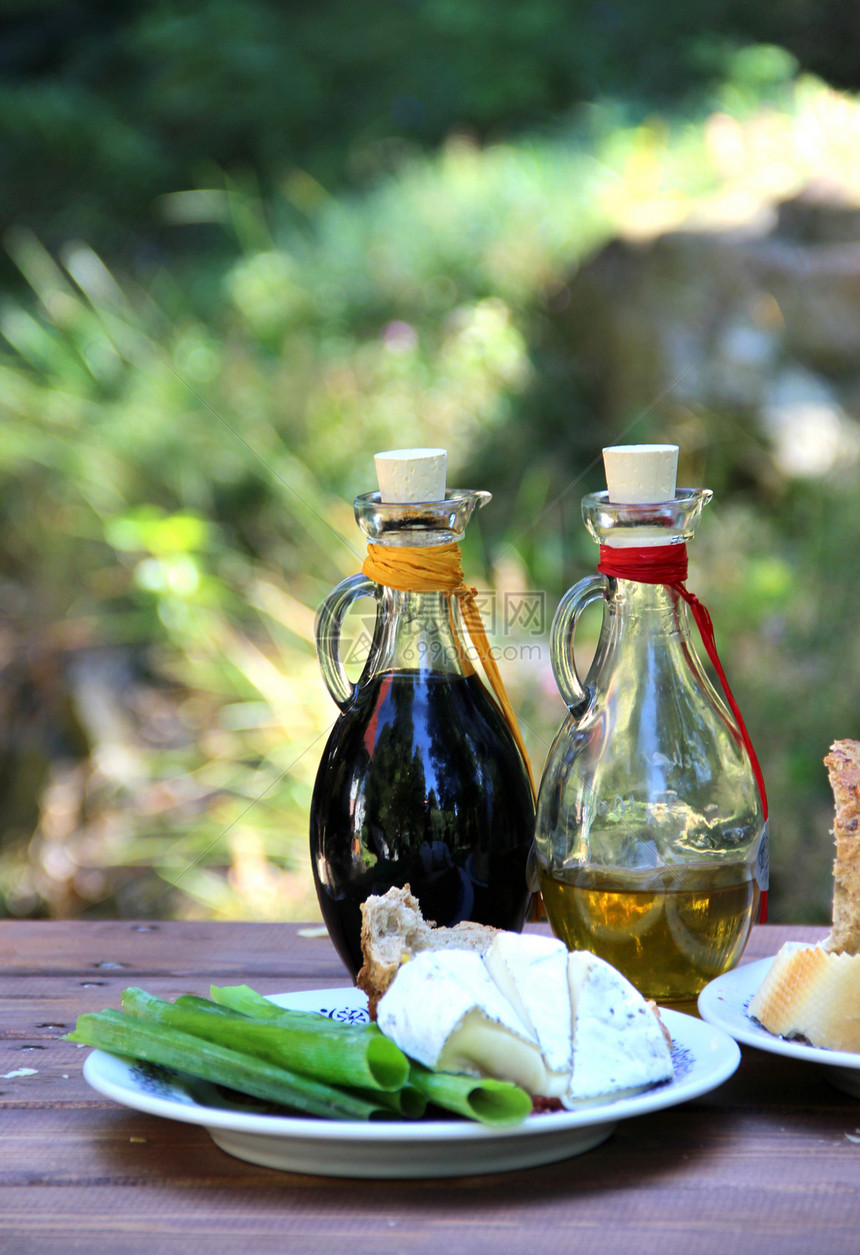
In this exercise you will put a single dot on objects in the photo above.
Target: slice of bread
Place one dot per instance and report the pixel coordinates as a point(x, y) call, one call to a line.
point(843, 769)
point(393, 930)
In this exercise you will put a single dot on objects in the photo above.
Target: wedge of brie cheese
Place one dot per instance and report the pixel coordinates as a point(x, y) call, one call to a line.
point(618, 1044)
point(443, 1010)
point(531, 972)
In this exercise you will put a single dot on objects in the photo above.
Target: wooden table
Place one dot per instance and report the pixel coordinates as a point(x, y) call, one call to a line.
point(769, 1162)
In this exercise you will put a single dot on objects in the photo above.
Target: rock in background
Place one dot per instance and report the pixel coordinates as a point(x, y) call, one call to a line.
point(762, 323)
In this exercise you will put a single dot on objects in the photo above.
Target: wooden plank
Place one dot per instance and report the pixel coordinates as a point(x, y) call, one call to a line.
point(103, 950)
point(548, 1210)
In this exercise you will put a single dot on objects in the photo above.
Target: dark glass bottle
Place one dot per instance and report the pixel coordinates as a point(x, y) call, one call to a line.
point(421, 781)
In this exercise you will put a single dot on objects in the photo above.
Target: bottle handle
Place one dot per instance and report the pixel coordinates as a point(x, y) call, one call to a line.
point(571, 606)
point(327, 632)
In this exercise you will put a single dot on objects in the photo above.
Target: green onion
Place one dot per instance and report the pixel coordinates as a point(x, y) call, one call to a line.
point(481, 1098)
point(195, 1003)
point(246, 1000)
point(168, 1047)
point(310, 1045)
point(300, 1060)
point(409, 1103)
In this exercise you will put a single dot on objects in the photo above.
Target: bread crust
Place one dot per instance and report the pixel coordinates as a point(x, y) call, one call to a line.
point(393, 930)
point(843, 769)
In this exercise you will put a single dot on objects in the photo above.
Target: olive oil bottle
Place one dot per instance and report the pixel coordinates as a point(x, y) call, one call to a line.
point(651, 833)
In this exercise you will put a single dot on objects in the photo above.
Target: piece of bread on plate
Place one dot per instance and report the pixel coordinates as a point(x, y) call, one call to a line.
point(393, 930)
point(843, 769)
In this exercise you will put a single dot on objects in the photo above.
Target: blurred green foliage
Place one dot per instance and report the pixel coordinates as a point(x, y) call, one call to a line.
point(106, 108)
point(249, 244)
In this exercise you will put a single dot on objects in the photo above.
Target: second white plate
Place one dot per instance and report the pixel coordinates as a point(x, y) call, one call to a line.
point(724, 1004)
point(703, 1058)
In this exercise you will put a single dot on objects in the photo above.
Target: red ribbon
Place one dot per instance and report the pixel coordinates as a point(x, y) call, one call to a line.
point(667, 564)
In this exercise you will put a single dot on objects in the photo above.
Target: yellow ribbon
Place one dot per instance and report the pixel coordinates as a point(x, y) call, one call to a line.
point(437, 569)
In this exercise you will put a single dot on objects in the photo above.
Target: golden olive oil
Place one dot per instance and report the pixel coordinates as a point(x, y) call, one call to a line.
point(669, 931)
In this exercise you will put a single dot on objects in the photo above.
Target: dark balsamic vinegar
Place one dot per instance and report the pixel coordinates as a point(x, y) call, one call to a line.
point(421, 784)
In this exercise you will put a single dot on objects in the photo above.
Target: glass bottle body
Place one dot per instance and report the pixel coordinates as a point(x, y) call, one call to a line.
point(421, 782)
point(649, 821)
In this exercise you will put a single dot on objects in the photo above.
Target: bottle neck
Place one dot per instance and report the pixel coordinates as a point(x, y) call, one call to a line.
point(653, 608)
point(645, 564)
point(646, 582)
point(418, 632)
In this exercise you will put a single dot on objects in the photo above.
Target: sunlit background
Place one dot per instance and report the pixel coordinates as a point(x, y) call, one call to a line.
point(246, 244)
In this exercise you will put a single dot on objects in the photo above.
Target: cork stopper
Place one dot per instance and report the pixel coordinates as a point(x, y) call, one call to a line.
point(641, 474)
point(411, 474)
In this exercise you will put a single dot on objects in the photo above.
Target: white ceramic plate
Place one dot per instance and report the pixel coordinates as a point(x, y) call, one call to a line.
point(724, 1004)
point(703, 1056)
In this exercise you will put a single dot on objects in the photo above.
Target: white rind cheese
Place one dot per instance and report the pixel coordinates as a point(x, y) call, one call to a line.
point(443, 1010)
point(618, 1043)
point(811, 992)
point(561, 1025)
point(531, 972)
